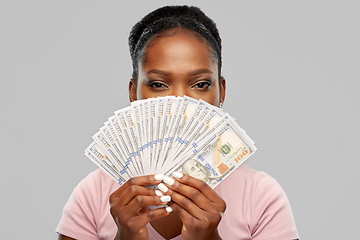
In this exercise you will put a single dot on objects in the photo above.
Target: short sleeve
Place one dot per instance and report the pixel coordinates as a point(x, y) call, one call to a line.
point(79, 218)
point(271, 214)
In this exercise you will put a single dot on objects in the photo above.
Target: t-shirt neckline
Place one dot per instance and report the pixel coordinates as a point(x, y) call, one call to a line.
point(156, 236)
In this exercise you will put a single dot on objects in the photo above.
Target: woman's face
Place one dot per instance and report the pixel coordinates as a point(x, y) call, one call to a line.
point(178, 64)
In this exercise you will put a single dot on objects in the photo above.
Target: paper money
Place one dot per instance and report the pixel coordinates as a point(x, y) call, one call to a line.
point(122, 117)
point(205, 119)
point(167, 134)
point(215, 156)
point(95, 153)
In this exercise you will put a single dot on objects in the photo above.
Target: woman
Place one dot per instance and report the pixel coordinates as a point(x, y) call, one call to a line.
point(177, 51)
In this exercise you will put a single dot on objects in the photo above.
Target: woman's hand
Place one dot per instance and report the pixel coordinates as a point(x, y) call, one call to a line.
point(129, 206)
point(198, 205)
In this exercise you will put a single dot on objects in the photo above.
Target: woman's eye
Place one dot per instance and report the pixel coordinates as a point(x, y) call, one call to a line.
point(202, 85)
point(156, 85)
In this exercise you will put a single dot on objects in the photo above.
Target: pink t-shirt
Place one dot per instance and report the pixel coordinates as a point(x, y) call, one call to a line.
point(257, 208)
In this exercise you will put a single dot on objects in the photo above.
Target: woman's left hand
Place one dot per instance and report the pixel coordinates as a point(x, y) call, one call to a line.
point(198, 205)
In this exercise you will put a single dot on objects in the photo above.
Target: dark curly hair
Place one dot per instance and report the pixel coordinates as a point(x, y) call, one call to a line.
point(172, 17)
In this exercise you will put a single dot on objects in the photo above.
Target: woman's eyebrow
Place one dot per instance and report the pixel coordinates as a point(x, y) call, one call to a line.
point(192, 73)
point(157, 71)
point(200, 71)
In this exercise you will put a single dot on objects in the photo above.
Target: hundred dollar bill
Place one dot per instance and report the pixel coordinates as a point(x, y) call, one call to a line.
point(209, 117)
point(137, 108)
point(123, 145)
point(185, 129)
point(190, 108)
point(159, 115)
point(195, 127)
point(133, 136)
point(170, 128)
point(217, 155)
point(109, 131)
point(94, 152)
point(145, 127)
point(207, 120)
point(164, 116)
point(168, 117)
point(134, 153)
point(187, 109)
point(109, 149)
point(102, 166)
point(193, 144)
point(153, 107)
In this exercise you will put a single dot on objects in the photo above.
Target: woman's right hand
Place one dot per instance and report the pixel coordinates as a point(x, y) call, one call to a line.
point(129, 206)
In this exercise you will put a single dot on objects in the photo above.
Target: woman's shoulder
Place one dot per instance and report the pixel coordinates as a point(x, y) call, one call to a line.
point(256, 198)
point(84, 211)
point(248, 181)
point(247, 175)
point(96, 182)
point(261, 182)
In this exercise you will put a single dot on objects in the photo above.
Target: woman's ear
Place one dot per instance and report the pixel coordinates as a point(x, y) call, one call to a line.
point(132, 90)
point(222, 89)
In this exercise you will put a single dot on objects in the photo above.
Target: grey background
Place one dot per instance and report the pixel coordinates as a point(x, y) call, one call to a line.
point(292, 70)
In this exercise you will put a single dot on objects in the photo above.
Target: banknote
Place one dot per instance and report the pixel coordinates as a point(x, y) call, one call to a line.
point(159, 116)
point(205, 118)
point(164, 117)
point(133, 136)
point(145, 127)
point(167, 134)
point(187, 109)
point(121, 116)
point(123, 145)
point(136, 110)
point(103, 166)
point(109, 131)
point(95, 153)
point(108, 148)
point(185, 125)
point(203, 132)
point(171, 128)
point(153, 107)
point(214, 157)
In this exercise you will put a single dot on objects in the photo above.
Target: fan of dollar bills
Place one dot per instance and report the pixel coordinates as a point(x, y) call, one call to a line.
point(167, 134)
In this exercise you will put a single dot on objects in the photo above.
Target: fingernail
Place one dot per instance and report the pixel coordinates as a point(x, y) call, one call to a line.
point(168, 209)
point(165, 198)
point(177, 174)
point(159, 177)
point(169, 181)
point(162, 187)
point(159, 193)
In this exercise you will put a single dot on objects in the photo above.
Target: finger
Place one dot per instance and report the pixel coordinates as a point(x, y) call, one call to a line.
point(183, 201)
point(137, 197)
point(145, 201)
point(134, 191)
point(185, 216)
point(139, 222)
point(205, 220)
point(190, 193)
point(150, 215)
point(204, 188)
point(138, 206)
point(140, 181)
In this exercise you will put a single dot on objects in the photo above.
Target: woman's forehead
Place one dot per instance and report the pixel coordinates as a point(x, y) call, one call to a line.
point(179, 48)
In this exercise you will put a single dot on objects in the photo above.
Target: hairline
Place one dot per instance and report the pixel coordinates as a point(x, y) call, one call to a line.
point(173, 32)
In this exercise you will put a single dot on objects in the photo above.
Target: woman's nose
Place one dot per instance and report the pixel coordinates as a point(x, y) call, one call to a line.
point(179, 91)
